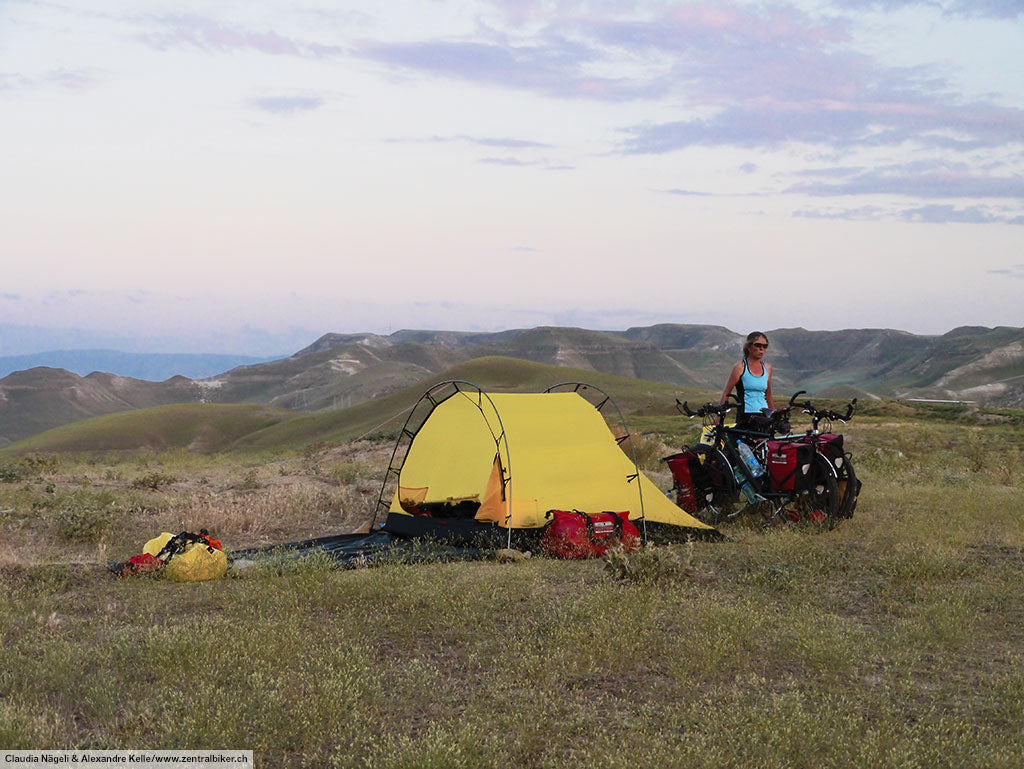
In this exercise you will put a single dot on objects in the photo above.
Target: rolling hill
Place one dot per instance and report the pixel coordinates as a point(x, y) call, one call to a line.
point(251, 427)
point(202, 427)
point(344, 370)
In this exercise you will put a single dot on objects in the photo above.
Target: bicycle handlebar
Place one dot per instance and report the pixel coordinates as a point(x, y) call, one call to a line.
point(703, 411)
point(808, 408)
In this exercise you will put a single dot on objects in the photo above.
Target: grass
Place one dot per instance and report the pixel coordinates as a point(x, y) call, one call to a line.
point(896, 640)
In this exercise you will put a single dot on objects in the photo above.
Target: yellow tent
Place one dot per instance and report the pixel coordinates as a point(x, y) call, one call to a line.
point(522, 454)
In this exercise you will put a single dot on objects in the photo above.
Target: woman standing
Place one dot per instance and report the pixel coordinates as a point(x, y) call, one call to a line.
point(752, 378)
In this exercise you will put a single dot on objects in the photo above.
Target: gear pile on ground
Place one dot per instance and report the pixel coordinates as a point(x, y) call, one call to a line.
point(184, 557)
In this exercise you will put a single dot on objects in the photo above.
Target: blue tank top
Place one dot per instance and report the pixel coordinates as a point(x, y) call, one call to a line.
point(752, 389)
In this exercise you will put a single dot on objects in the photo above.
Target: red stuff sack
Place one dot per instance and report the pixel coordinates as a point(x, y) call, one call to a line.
point(788, 464)
point(576, 535)
point(141, 564)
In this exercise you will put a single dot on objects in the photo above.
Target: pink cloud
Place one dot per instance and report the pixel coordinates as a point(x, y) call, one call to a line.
point(209, 35)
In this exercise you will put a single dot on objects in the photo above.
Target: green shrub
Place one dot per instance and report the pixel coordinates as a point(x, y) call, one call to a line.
point(311, 450)
point(85, 518)
point(649, 450)
point(351, 472)
point(153, 481)
point(39, 464)
point(11, 473)
point(249, 482)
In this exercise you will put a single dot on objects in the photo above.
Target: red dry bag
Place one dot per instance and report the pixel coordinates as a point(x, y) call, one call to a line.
point(574, 534)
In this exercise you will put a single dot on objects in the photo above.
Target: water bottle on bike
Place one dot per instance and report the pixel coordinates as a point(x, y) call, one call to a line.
point(755, 468)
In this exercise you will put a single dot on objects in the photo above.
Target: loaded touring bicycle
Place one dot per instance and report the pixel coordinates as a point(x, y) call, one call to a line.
point(801, 478)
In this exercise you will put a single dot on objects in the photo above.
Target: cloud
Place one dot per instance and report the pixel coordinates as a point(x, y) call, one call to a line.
point(919, 179)
point(687, 193)
point(928, 214)
point(286, 105)
point(1013, 271)
point(483, 141)
point(72, 79)
point(189, 30)
point(500, 142)
point(505, 162)
point(864, 213)
point(771, 77)
point(740, 75)
point(507, 143)
point(519, 163)
point(997, 9)
point(947, 214)
point(866, 122)
point(550, 65)
point(701, 51)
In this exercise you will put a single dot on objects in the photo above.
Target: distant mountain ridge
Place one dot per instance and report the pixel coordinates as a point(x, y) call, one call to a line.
point(340, 370)
point(155, 367)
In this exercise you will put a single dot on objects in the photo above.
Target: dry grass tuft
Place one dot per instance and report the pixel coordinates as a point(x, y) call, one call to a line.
point(118, 502)
point(258, 517)
point(654, 564)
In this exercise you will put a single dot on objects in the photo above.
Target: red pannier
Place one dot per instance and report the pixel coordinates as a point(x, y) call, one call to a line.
point(831, 445)
point(576, 535)
point(789, 462)
point(690, 480)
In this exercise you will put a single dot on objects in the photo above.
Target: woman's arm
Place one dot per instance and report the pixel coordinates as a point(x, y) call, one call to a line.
point(734, 377)
point(768, 390)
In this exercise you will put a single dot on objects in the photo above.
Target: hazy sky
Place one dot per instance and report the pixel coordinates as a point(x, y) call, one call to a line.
point(186, 169)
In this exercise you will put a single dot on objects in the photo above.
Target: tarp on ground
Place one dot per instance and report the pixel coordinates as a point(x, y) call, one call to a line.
point(358, 550)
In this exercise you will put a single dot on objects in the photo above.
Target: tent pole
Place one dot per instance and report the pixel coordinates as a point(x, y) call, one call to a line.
point(396, 469)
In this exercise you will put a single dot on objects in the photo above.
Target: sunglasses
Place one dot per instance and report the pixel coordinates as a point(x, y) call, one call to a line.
point(760, 345)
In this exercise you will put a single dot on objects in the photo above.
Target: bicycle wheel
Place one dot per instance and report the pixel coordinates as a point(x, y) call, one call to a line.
point(849, 487)
point(717, 499)
point(818, 503)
